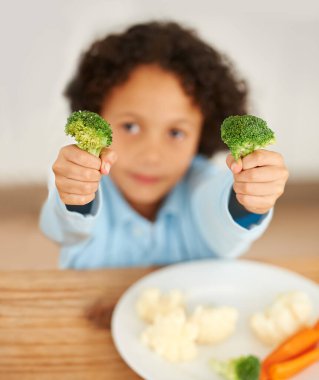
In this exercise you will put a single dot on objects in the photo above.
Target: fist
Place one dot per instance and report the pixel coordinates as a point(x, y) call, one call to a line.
point(78, 173)
point(259, 179)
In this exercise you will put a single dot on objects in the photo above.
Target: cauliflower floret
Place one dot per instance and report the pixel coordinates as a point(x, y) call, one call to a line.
point(172, 336)
point(152, 303)
point(215, 324)
point(287, 314)
point(300, 305)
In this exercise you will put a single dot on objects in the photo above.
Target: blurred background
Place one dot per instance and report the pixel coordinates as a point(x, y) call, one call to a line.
point(274, 45)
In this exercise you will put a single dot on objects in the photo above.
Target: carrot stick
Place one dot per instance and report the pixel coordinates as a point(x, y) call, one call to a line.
point(263, 374)
point(291, 367)
point(316, 326)
point(293, 346)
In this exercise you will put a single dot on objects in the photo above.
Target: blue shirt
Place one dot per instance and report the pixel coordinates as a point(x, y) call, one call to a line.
point(193, 222)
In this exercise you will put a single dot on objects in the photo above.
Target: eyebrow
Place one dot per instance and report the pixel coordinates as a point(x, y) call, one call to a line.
point(173, 121)
point(183, 121)
point(126, 114)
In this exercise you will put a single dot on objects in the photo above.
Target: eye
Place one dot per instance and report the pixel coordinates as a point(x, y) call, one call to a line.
point(177, 134)
point(131, 128)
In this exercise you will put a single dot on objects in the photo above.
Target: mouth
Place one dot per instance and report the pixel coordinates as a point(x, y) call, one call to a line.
point(145, 179)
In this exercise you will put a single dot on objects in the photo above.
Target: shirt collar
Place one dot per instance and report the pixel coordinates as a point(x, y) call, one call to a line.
point(171, 204)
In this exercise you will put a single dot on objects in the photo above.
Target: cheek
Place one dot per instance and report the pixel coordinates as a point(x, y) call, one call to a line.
point(115, 139)
point(187, 151)
point(179, 161)
point(120, 146)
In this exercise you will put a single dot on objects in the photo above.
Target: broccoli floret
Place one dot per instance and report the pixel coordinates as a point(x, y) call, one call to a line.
point(91, 132)
point(244, 134)
point(242, 368)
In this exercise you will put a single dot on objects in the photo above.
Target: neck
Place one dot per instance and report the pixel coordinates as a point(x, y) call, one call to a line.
point(148, 211)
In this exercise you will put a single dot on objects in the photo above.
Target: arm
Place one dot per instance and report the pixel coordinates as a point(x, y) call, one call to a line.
point(64, 226)
point(77, 178)
point(258, 180)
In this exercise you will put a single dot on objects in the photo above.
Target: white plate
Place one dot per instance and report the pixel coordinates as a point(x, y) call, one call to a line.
point(246, 285)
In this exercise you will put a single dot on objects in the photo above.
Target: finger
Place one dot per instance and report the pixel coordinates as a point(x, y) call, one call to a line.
point(234, 166)
point(72, 186)
point(262, 157)
point(261, 174)
point(74, 199)
point(80, 157)
point(259, 188)
point(108, 158)
point(76, 172)
point(256, 204)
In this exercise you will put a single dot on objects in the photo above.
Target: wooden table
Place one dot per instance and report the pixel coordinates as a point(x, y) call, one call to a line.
point(56, 324)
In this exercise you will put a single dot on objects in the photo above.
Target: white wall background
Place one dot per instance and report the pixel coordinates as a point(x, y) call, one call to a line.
point(275, 45)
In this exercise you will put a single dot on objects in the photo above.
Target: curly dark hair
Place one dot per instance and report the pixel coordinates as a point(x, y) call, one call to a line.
point(205, 74)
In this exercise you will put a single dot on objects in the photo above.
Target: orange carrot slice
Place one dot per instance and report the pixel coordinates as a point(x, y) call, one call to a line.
point(291, 367)
point(263, 374)
point(295, 345)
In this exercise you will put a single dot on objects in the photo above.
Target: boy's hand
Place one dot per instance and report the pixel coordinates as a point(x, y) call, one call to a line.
point(259, 179)
point(78, 173)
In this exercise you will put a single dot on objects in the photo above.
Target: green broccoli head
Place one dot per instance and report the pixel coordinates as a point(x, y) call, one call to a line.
point(244, 134)
point(91, 132)
point(242, 368)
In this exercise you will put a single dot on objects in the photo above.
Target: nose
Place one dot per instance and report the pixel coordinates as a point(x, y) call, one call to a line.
point(151, 150)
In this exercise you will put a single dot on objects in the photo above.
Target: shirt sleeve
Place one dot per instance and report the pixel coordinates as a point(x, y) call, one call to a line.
point(210, 204)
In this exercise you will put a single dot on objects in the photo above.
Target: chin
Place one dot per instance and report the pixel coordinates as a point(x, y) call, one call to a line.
point(144, 199)
point(144, 194)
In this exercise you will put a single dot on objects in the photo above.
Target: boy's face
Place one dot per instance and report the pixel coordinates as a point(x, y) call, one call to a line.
point(156, 131)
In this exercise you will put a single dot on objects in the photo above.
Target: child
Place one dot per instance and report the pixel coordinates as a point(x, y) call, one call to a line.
point(165, 93)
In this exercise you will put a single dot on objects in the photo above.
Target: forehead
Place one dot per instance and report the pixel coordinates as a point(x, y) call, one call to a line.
point(151, 88)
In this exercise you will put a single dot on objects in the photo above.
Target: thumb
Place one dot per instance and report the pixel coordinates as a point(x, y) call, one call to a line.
point(235, 166)
point(108, 157)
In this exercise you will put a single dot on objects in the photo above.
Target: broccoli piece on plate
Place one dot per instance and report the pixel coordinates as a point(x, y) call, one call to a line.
point(91, 132)
point(242, 368)
point(244, 134)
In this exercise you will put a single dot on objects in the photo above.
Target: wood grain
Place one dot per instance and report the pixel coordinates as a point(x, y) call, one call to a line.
point(47, 327)
point(56, 324)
